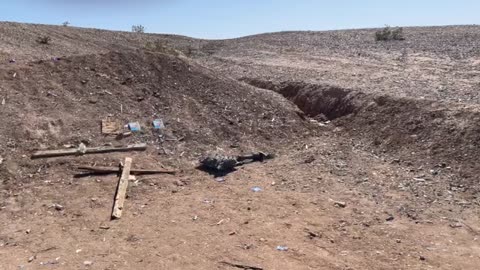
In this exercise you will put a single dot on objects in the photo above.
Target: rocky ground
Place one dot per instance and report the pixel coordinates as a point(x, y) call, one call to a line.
point(375, 149)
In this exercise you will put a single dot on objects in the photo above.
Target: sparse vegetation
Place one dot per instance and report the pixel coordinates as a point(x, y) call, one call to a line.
point(138, 28)
point(44, 40)
point(66, 23)
point(387, 34)
point(161, 47)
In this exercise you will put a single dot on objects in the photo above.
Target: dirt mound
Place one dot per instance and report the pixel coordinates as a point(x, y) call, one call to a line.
point(411, 130)
point(49, 104)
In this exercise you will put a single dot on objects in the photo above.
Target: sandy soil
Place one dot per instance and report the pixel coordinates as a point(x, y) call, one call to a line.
point(374, 168)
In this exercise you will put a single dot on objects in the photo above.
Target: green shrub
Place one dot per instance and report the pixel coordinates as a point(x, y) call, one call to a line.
point(387, 34)
point(138, 28)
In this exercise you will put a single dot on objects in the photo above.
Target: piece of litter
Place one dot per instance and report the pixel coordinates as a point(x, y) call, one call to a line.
point(82, 148)
point(282, 248)
point(78, 251)
point(158, 124)
point(220, 179)
point(134, 127)
point(87, 263)
point(3, 101)
point(256, 189)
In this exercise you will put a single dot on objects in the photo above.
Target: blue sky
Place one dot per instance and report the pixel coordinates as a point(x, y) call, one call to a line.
point(234, 18)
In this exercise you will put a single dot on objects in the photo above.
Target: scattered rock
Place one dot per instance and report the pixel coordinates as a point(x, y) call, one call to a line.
point(88, 263)
point(390, 218)
point(312, 235)
point(340, 204)
point(58, 207)
point(32, 258)
point(456, 225)
point(282, 248)
point(422, 258)
point(220, 179)
point(309, 160)
point(178, 183)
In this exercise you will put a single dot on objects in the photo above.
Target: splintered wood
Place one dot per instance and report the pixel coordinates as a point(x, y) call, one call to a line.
point(121, 193)
point(111, 127)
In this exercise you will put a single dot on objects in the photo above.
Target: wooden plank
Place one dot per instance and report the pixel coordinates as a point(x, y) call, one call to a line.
point(89, 150)
point(121, 193)
point(108, 170)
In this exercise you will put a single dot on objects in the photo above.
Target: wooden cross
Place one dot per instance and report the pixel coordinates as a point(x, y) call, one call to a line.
point(121, 193)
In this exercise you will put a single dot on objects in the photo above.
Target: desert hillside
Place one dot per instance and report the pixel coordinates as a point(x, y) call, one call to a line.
point(374, 148)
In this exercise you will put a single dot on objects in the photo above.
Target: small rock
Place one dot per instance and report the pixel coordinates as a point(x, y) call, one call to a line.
point(422, 258)
point(28, 231)
point(88, 263)
point(220, 179)
point(398, 241)
point(390, 218)
point(179, 183)
point(58, 207)
point(282, 248)
point(340, 204)
point(32, 258)
point(312, 235)
point(456, 225)
point(104, 227)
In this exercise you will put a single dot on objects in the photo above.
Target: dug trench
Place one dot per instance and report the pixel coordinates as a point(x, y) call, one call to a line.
point(438, 135)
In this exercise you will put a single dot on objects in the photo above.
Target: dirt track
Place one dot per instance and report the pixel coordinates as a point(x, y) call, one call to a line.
point(401, 157)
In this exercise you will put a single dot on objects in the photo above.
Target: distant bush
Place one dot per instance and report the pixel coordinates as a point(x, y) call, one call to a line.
point(66, 23)
point(387, 34)
point(397, 34)
point(44, 40)
point(138, 28)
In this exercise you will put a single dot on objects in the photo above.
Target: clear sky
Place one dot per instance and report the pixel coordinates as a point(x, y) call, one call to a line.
point(234, 18)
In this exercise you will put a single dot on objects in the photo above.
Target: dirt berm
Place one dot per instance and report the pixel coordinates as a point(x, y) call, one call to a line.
point(50, 104)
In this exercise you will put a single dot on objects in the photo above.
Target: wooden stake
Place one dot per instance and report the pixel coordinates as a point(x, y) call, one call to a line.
point(121, 193)
point(108, 170)
point(89, 150)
